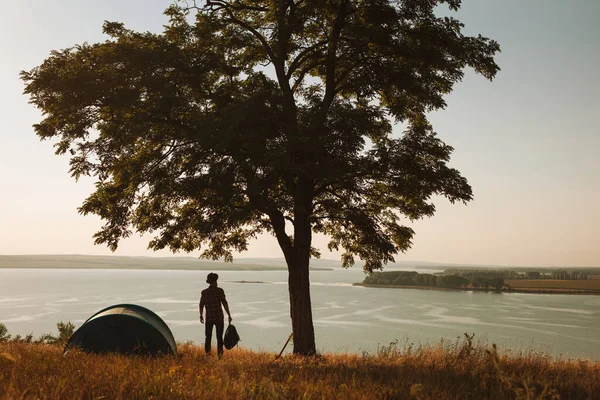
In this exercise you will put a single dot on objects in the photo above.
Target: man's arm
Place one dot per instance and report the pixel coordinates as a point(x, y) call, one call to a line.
point(226, 306)
point(201, 307)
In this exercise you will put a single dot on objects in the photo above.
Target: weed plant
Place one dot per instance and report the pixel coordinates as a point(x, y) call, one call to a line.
point(459, 370)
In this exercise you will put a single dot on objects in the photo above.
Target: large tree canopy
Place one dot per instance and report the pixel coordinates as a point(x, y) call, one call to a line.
point(265, 116)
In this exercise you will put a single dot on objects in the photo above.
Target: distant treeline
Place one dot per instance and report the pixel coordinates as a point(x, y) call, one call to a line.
point(563, 274)
point(412, 278)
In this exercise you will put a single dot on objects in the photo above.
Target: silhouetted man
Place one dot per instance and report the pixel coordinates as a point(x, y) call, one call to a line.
point(211, 299)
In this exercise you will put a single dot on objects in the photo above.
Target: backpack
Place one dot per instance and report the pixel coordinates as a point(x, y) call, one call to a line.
point(231, 337)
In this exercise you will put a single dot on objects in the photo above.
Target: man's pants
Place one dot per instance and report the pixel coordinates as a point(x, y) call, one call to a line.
point(208, 336)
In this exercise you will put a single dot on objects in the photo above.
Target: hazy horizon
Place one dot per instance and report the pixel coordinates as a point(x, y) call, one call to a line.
point(527, 142)
point(245, 259)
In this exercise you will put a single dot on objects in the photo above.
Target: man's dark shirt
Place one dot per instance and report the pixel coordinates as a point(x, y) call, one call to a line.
point(212, 298)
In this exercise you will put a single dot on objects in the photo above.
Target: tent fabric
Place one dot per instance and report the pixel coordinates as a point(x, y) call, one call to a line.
point(124, 328)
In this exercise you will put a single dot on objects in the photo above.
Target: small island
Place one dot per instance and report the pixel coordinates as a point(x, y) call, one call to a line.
point(518, 280)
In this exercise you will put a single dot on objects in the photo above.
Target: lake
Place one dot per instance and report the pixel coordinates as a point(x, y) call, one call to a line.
point(347, 318)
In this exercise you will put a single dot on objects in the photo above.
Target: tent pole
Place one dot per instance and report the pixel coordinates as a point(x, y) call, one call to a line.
point(285, 345)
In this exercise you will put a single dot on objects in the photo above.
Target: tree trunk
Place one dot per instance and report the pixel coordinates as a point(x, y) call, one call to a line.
point(297, 257)
point(301, 309)
point(298, 282)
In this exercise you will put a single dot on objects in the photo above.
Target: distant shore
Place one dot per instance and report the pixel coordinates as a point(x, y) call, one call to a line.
point(135, 263)
point(531, 290)
point(258, 268)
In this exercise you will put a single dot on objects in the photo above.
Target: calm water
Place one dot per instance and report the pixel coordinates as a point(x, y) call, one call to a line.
point(347, 318)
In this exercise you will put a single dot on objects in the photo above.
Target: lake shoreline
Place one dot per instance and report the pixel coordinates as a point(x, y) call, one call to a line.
point(513, 290)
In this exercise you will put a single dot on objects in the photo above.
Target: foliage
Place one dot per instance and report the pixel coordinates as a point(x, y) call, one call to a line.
point(425, 280)
point(401, 278)
point(451, 281)
point(472, 273)
point(497, 283)
point(576, 274)
point(524, 273)
point(446, 371)
point(533, 275)
point(65, 330)
point(197, 144)
point(412, 278)
point(189, 139)
point(4, 336)
point(479, 281)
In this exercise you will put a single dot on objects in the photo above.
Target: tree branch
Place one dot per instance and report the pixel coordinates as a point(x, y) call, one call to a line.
point(341, 79)
point(303, 72)
point(331, 56)
point(278, 224)
point(300, 58)
point(284, 33)
point(228, 9)
point(237, 5)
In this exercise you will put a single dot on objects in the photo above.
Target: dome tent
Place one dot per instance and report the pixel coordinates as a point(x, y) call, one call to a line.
point(124, 328)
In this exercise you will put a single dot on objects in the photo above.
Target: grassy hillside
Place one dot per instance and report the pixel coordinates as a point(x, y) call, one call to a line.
point(119, 262)
point(456, 372)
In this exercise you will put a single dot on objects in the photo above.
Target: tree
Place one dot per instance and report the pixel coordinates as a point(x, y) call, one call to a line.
point(496, 283)
point(478, 281)
point(190, 137)
point(533, 275)
point(418, 279)
point(451, 281)
point(430, 280)
point(65, 331)
point(4, 336)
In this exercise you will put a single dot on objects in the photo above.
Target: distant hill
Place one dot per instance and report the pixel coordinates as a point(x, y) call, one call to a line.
point(329, 263)
point(174, 263)
point(121, 262)
point(192, 263)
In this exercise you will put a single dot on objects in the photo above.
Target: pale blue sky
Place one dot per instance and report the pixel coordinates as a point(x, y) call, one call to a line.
point(527, 142)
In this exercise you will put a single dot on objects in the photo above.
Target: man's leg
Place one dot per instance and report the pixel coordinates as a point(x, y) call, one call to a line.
point(208, 328)
point(219, 325)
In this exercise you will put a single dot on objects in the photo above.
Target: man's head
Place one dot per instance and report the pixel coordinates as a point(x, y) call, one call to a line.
point(211, 279)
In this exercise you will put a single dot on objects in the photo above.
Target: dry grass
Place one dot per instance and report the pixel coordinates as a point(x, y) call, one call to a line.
point(460, 371)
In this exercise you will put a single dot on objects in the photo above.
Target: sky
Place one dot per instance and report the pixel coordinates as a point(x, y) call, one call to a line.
point(528, 142)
